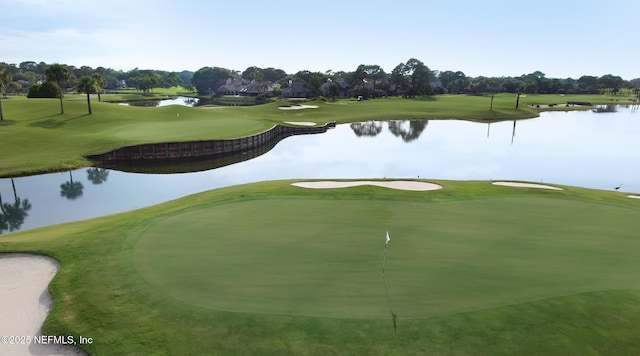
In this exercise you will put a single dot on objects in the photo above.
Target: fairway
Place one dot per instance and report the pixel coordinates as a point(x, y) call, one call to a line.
point(322, 257)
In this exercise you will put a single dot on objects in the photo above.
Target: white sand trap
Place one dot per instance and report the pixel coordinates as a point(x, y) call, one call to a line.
point(25, 302)
point(301, 123)
point(526, 185)
point(396, 184)
point(298, 107)
point(633, 196)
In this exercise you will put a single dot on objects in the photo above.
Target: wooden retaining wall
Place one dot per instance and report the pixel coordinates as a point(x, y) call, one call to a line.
point(210, 148)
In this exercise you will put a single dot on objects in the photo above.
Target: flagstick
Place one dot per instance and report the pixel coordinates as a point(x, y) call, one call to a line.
point(384, 258)
point(394, 317)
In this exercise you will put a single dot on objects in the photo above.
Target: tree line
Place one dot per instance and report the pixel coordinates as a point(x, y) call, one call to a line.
point(29, 73)
point(408, 79)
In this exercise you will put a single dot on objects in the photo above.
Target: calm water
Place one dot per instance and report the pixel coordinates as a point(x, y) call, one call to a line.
point(180, 100)
point(594, 150)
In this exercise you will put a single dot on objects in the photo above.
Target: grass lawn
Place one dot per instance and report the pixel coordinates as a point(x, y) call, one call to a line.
point(35, 138)
point(269, 268)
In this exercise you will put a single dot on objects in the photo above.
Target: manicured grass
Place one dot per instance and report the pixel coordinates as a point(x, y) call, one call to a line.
point(35, 138)
point(269, 268)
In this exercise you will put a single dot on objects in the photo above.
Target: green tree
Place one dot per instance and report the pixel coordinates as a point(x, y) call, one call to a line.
point(28, 66)
point(88, 85)
point(448, 78)
point(333, 90)
point(315, 81)
point(413, 77)
point(253, 73)
point(358, 76)
point(399, 78)
point(145, 81)
point(359, 81)
point(376, 74)
point(59, 74)
point(273, 74)
point(101, 83)
point(421, 77)
point(5, 79)
point(207, 80)
point(611, 83)
point(14, 87)
point(588, 83)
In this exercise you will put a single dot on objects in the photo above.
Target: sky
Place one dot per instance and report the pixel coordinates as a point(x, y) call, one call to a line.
point(561, 38)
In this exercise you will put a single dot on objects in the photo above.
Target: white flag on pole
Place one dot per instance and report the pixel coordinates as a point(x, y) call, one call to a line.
point(386, 242)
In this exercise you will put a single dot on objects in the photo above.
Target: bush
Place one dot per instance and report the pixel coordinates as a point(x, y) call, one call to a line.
point(262, 99)
point(44, 90)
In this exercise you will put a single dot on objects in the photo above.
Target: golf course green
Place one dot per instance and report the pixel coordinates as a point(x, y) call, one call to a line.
point(271, 268)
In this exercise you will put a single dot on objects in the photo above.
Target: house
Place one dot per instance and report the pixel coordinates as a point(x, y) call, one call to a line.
point(297, 90)
point(231, 87)
point(237, 87)
point(344, 89)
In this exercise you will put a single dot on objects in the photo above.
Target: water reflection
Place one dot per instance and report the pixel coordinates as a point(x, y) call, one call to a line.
point(70, 189)
point(408, 130)
point(369, 128)
point(97, 175)
point(12, 216)
point(605, 109)
point(185, 165)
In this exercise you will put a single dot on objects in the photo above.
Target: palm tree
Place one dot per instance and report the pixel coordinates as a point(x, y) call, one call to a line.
point(87, 85)
point(5, 79)
point(58, 73)
point(101, 82)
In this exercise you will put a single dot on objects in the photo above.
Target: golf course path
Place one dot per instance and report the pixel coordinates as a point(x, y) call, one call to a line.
point(526, 185)
point(25, 302)
point(396, 184)
point(633, 196)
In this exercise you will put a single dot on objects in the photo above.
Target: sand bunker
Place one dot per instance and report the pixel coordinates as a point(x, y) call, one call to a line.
point(25, 302)
point(396, 184)
point(526, 185)
point(298, 107)
point(301, 123)
point(633, 196)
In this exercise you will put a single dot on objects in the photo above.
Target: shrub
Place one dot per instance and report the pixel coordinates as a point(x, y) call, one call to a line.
point(44, 90)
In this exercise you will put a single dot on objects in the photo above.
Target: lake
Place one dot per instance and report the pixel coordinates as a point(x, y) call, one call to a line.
point(595, 149)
